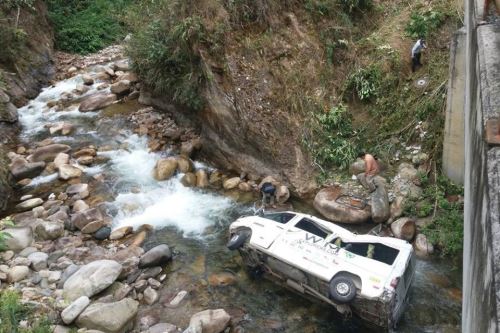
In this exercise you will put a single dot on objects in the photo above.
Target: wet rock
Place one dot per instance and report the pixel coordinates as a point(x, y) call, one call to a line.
point(120, 87)
point(79, 206)
point(21, 169)
point(78, 189)
point(80, 220)
point(91, 279)
point(189, 179)
point(48, 153)
point(231, 183)
point(121, 65)
point(215, 179)
point(21, 238)
point(422, 246)
point(71, 312)
point(150, 296)
point(176, 301)
point(68, 171)
point(282, 194)
point(61, 127)
point(120, 232)
point(158, 255)
point(404, 228)
point(61, 159)
point(184, 164)
point(87, 79)
point(81, 89)
point(49, 230)
point(85, 160)
point(209, 321)
point(221, 279)
point(109, 317)
point(29, 204)
point(97, 102)
point(103, 233)
point(165, 168)
point(380, 203)
point(201, 178)
point(38, 260)
point(85, 152)
point(149, 273)
point(337, 211)
point(17, 273)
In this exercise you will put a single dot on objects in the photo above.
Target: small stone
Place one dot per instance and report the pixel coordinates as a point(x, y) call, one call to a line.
point(68, 171)
point(156, 256)
point(70, 313)
point(150, 296)
point(7, 255)
point(103, 233)
point(18, 273)
point(178, 298)
point(29, 204)
point(80, 206)
point(87, 79)
point(154, 283)
point(120, 232)
point(38, 260)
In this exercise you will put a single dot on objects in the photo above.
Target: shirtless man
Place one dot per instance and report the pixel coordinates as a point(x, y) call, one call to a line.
point(371, 170)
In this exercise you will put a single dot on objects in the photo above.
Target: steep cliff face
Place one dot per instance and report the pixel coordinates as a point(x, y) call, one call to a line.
point(24, 71)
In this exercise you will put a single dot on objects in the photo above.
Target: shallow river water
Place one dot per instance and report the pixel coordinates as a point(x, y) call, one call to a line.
point(194, 223)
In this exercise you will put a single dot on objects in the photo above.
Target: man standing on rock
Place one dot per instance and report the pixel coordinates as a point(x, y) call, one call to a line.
point(371, 170)
point(416, 53)
point(268, 189)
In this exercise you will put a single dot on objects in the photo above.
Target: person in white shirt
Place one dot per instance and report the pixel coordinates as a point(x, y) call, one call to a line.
point(416, 53)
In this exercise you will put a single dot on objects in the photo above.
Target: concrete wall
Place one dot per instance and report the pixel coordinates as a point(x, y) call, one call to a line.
point(481, 265)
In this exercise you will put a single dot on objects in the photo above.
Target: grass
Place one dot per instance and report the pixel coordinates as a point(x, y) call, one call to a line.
point(12, 311)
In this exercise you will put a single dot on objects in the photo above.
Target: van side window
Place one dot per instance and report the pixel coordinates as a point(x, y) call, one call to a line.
point(311, 227)
point(280, 217)
point(376, 251)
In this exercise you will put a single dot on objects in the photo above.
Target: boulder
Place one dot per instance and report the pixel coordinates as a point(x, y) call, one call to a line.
point(8, 112)
point(189, 179)
point(85, 160)
point(282, 194)
point(121, 232)
point(29, 204)
point(38, 260)
point(120, 87)
point(48, 153)
point(49, 230)
point(156, 256)
point(80, 220)
point(188, 147)
point(67, 171)
point(97, 102)
point(60, 160)
point(357, 167)
point(71, 312)
point(87, 79)
point(201, 178)
point(17, 273)
point(397, 207)
point(380, 203)
point(112, 317)
point(150, 296)
point(215, 179)
point(21, 169)
point(20, 238)
point(209, 321)
point(132, 77)
point(91, 279)
point(330, 203)
point(121, 65)
point(184, 164)
point(404, 228)
point(165, 168)
point(244, 187)
point(422, 246)
point(231, 183)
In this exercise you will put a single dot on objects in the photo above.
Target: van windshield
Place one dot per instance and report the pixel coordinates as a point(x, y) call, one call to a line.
point(280, 217)
point(312, 227)
point(375, 251)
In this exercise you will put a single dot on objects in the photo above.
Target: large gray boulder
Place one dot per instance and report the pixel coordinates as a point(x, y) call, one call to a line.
point(330, 203)
point(380, 203)
point(165, 168)
point(97, 102)
point(109, 317)
point(91, 279)
point(20, 168)
point(21, 238)
point(48, 153)
point(156, 256)
point(209, 321)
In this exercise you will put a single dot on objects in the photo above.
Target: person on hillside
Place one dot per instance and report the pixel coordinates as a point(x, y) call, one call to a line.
point(268, 189)
point(371, 170)
point(416, 54)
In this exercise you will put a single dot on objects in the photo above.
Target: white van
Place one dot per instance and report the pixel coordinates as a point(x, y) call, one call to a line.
point(367, 275)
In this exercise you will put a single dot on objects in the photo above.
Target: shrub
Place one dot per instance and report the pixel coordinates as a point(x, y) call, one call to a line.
point(12, 311)
point(6, 222)
point(87, 26)
point(12, 41)
point(351, 6)
point(365, 82)
point(423, 23)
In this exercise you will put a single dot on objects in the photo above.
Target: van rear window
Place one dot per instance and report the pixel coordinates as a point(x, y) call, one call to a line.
point(311, 227)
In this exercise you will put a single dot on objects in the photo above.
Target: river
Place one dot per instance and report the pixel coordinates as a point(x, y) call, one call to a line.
point(193, 222)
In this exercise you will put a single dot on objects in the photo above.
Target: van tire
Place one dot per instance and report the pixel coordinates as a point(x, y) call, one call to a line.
point(342, 290)
point(237, 240)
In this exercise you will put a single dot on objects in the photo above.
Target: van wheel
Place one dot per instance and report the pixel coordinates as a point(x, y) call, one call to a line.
point(342, 290)
point(237, 240)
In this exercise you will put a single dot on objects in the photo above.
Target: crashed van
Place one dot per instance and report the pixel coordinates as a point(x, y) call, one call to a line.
point(366, 275)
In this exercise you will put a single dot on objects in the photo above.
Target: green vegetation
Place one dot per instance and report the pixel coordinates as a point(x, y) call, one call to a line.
point(87, 26)
point(12, 39)
point(6, 222)
point(12, 312)
point(365, 83)
point(422, 23)
point(441, 201)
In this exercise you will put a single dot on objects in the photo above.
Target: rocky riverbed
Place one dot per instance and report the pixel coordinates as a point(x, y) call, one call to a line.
point(118, 227)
